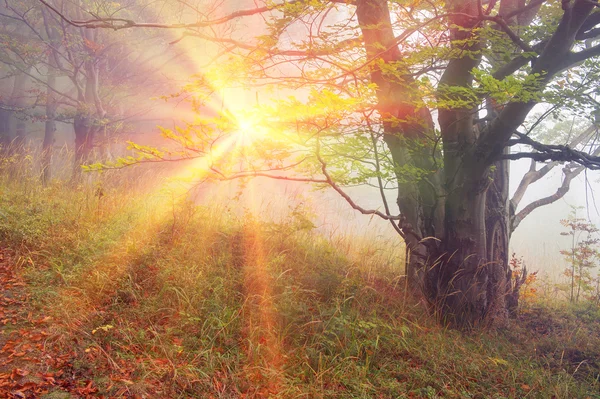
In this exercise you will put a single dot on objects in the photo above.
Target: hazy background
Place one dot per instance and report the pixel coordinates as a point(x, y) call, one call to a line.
point(537, 239)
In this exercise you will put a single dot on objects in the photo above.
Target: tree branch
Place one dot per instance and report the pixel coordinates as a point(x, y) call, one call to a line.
point(510, 33)
point(379, 180)
point(580, 56)
point(345, 196)
point(569, 174)
point(534, 175)
point(586, 31)
point(341, 46)
point(518, 62)
point(121, 23)
point(242, 175)
point(548, 152)
point(530, 177)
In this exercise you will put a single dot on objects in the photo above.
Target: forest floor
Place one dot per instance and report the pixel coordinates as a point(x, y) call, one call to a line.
point(31, 364)
point(106, 297)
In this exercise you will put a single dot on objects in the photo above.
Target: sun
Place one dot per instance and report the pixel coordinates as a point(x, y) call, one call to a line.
point(250, 130)
point(249, 127)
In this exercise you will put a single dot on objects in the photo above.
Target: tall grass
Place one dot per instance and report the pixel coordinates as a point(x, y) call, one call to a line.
point(156, 296)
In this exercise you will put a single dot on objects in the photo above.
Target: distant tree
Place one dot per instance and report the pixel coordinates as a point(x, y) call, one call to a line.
point(89, 78)
point(372, 77)
point(15, 64)
point(582, 256)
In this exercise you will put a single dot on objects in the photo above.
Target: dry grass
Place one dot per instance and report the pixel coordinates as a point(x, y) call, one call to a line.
point(156, 297)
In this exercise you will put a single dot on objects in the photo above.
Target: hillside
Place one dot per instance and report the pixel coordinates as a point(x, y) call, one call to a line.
point(106, 295)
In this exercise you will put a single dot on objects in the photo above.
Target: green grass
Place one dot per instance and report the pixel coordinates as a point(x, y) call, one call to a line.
point(171, 300)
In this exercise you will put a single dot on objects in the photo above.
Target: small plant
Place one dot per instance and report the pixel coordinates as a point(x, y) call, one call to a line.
point(525, 281)
point(582, 255)
point(595, 297)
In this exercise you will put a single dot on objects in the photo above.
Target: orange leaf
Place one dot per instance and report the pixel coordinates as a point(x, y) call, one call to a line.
point(16, 373)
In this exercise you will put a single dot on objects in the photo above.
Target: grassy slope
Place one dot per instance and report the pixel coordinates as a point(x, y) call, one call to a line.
point(162, 301)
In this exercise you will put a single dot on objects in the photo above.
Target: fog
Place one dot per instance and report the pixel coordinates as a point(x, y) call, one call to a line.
point(537, 239)
point(171, 66)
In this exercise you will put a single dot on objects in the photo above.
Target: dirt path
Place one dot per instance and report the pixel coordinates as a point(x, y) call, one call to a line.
point(30, 363)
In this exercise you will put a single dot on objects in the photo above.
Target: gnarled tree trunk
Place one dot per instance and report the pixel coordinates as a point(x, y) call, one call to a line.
point(463, 271)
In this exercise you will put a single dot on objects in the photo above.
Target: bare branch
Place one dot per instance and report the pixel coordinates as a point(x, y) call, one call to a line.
point(580, 56)
point(379, 180)
point(346, 197)
point(548, 152)
point(530, 177)
point(569, 174)
point(120, 23)
point(511, 34)
point(341, 46)
point(534, 175)
point(243, 175)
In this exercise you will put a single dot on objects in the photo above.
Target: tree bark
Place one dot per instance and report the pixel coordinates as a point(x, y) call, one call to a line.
point(54, 38)
point(471, 281)
point(90, 110)
point(409, 137)
point(500, 296)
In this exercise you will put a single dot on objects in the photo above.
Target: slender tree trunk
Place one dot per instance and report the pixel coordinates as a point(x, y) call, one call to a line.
point(5, 134)
point(50, 125)
point(580, 277)
point(84, 141)
point(48, 147)
point(18, 101)
point(572, 298)
point(55, 39)
point(12, 126)
point(90, 111)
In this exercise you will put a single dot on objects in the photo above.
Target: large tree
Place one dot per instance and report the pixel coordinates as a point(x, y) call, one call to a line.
point(421, 97)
